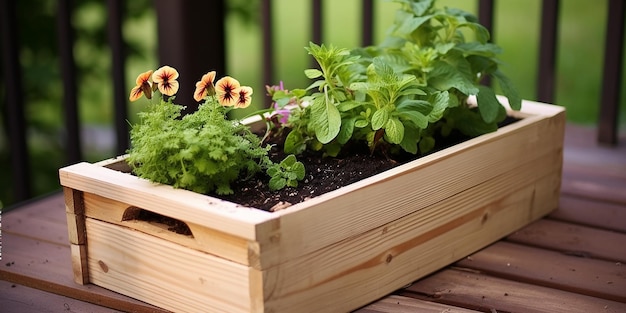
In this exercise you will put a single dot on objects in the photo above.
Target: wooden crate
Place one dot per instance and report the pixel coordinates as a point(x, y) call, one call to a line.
point(335, 252)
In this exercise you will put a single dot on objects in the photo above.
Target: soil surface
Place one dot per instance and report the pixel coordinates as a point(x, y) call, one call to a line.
point(323, 174)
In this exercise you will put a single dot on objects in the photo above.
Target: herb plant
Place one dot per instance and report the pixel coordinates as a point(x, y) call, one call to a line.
point(401, 94)
point(203, 151)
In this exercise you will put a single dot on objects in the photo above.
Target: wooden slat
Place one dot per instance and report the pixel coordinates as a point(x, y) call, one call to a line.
point(44, 220)
point(47, 266)
point(573, 239)
point(19, 298)
point(400, 304)
point(165, 274)
point(589, 212)
point(594, 186)
point(596, 278)
point(481, 292)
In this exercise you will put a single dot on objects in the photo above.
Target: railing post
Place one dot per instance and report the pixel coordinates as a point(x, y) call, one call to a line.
point(14, 121)
point(191, 39)
point(268, 47)
point(485, 17)
point(116, 42)
point(547, 51)
point(612, 74)
point(367, 23)
point(68, 72)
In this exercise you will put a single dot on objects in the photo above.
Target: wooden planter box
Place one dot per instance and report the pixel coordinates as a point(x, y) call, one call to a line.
point(338, 251)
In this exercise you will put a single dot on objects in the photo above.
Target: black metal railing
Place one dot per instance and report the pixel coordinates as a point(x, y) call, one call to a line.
point(190, 19)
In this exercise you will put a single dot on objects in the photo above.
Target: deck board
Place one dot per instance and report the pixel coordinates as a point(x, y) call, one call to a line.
point(487, 293)
point(597, 278)
point(573, 260)
point(573, 239)
point(592, 213)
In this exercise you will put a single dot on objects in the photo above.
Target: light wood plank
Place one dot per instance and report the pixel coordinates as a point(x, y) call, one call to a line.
point(386, 258)
point(486, 293)
point(163, 273)
point(542, 267)
point(573, 239)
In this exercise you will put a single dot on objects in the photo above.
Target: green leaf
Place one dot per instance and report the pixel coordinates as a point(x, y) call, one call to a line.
point(488, 104)
point(445, 76)
point(347, 128)
point(294, 142)
point(441, 101)
point(379, 119)
point(509, 90)
point(299, 169)
point(313, 73)
point(290, 160)
point(417, 118)
point(326, 120)
point(394, 131)
point(277, 183)
point(469, 122)
point(426, 144)
point(410, 139)
point(360, 123)
point(409, 25)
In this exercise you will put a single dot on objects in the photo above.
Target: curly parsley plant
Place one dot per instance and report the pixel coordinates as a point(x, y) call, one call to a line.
point(203, 151)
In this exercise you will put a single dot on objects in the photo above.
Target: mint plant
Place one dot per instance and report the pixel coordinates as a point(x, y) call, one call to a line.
point(203, 151)
point(401, 94)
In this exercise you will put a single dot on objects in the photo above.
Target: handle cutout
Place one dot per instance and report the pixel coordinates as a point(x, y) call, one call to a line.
point(171, 224)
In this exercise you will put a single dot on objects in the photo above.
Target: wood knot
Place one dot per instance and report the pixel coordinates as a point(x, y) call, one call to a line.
point(103, 266)
point(485, 217)
point(389, 258)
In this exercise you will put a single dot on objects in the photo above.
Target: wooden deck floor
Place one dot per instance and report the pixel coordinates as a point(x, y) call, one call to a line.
point(573, 260)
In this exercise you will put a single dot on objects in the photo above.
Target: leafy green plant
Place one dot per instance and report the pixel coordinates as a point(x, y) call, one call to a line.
point(202, 151)
point(286, 173)
point(400, 94)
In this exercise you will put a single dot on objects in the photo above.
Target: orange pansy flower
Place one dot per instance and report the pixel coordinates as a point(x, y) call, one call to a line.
point(165, 78)
point(143, 87)
point(226, 90)
point(245, 97)
point(205, 86)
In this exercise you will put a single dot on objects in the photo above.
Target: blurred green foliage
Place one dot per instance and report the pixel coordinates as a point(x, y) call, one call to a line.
point(579, 62)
